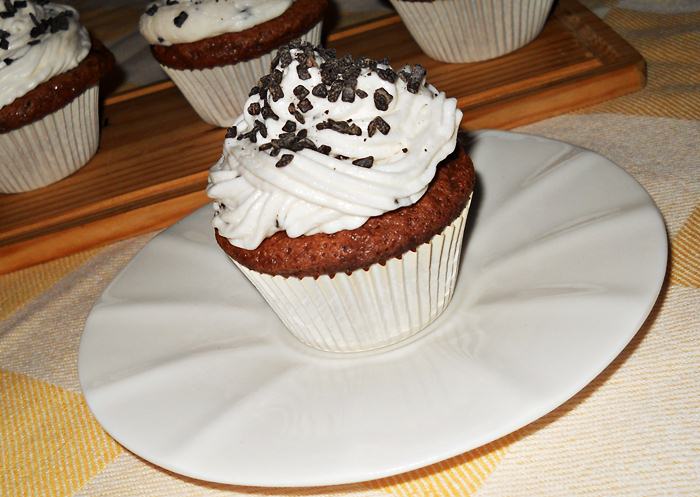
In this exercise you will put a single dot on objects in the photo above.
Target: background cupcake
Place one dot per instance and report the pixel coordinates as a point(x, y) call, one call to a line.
point(341, 194)
point(472, 30)
point(49, 75)
point(215, 51)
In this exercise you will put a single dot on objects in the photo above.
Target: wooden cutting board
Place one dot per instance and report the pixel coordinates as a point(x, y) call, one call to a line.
point(154, 154)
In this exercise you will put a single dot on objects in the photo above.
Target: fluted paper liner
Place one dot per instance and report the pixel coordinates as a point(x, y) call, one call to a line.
point(51, 148)
point(218, 94)
point(371, 308)
point(472, 30)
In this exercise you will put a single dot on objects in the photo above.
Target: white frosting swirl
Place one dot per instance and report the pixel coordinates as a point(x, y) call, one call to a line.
point(37, 42)
point(169, 21)
point(317, 193)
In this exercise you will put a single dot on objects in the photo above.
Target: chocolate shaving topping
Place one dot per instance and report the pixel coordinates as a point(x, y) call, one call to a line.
point(268, 113)
point(378, 124)
point(305, 105)
point(284, 160)
point(151, 11)
point(302, 134)
point(348, 94)
point(171, 2)
point(382, 99)
point(341, 157)
point(335, 90)
point(387, 74)
point(33, 42)
point(299, 117)
point(289, 126)
point(254, 109)
point(414, 78)
point(260, 127)
point(265, 146)
point(4, 34)
point(20, 4)
point(300, 92)
point(340, 127)
point(324, 149)
point(8, 61)
point(254, 91)
point(319, 91)
point(361, 93)
point(404, 150)
point(276, 76)
point(4, 44)
point(180, 19)
point(364, 162)
point(276, 92)
point(303, 72)
point(231, 132)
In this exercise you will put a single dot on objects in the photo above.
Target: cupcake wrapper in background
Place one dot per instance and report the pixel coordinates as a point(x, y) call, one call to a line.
point(218, 94)
point(371, 308)
point(51, 148)
point(472, 30)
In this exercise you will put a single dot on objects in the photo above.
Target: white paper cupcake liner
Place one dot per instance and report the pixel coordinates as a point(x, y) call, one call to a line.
point(472, 30)
point(218, 94)
point(371, 308)
point(52, 148)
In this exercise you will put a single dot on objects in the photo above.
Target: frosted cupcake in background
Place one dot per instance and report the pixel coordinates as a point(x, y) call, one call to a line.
point(49, 75)
point(342, 195)
point(215, 50)
point(472, 30)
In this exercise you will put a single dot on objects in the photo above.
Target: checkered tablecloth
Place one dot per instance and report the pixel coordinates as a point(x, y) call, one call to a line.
point(635, 430)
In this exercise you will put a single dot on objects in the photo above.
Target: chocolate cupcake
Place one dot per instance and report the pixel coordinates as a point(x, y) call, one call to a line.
point(49, 75)
point(215, 50)
point(342, 195)
point(472, 30)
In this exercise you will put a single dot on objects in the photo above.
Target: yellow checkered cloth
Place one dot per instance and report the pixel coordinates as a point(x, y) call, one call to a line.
point(634, 431)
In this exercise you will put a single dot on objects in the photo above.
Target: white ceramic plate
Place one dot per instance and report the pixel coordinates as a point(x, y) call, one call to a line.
point(184, 364)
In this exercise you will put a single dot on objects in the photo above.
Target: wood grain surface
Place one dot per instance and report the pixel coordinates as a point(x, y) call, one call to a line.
point(151, 167)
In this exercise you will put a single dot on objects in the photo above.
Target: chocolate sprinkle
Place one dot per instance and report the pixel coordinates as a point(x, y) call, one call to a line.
point(180, 19)
point(20, 4)
point(299, 117)
point(387, 74)
point(4, 34)
point(231, 132)
point(382, 99)
point(268, 113)
point(8, 61)
point(284, 160)
point(364, 162)
point(335, 90)
point(289, 126)
point(254, 109)
point(319, 91)
point(348, 94)
point(303, 72)
point(4, 44)
point(260, 127)
point(324, 149)
point(361, 93)
point(378, 124)
point(305, 105)
point(404, 150)
point(33, 42)
point(301, 92)
point(276, 92)
point(340, 127)
point(151, 11)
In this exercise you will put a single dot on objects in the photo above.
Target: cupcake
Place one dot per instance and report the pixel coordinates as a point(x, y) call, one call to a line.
point(49, 75)
point(216, 50)
point(472, 30)
point(342, 195)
